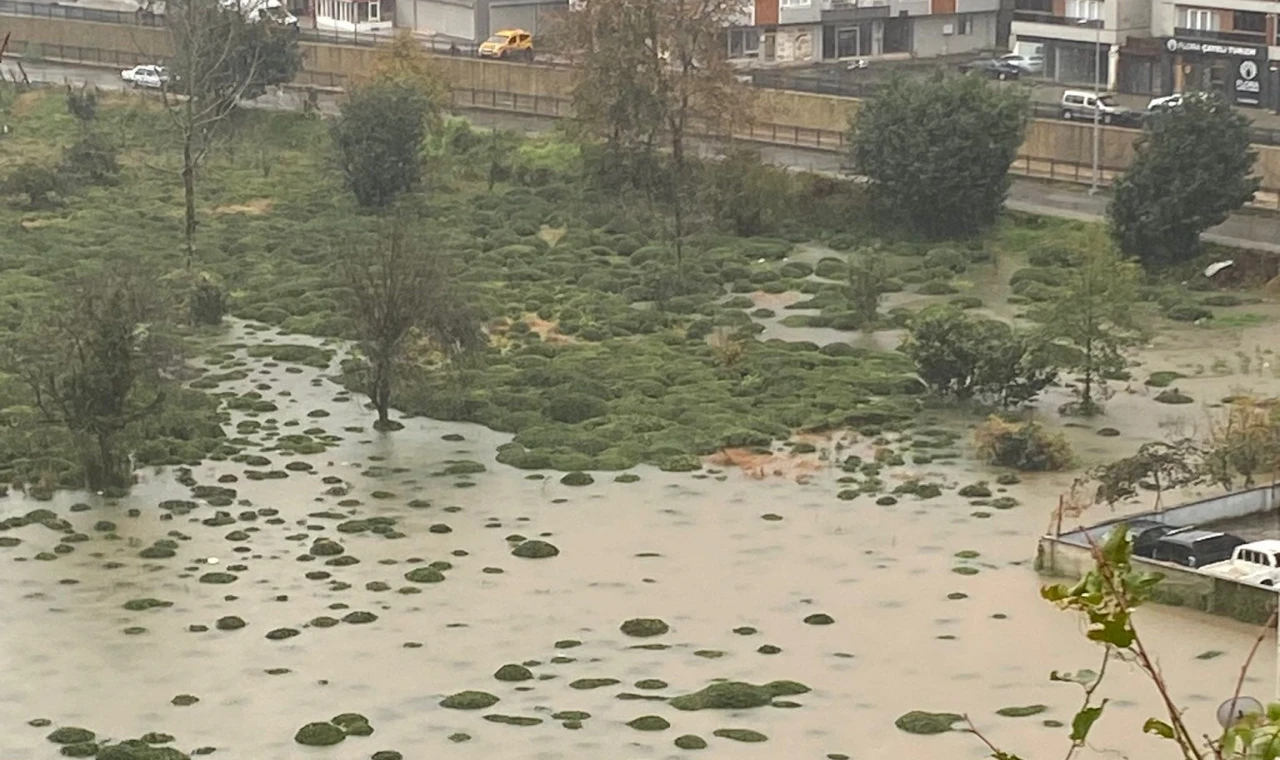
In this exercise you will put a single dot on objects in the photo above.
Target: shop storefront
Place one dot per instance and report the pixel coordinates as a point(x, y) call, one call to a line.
point(1237, 70)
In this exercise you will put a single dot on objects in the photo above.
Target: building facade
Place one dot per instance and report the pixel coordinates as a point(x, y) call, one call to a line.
point(805, 31)
point(1228, 46)
point(474, 20)
point(1080, 41)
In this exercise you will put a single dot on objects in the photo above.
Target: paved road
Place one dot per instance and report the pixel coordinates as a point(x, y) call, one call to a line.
point(1256, 231)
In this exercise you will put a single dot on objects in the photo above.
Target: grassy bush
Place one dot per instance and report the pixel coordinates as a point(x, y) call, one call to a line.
point(1023, 446)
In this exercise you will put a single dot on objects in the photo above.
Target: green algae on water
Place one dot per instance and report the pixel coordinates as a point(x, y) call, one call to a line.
point(921, 722)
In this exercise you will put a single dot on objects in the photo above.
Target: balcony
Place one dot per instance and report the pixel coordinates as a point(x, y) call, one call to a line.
point(1248, 38)
point(1042, 17)
point(841, 5)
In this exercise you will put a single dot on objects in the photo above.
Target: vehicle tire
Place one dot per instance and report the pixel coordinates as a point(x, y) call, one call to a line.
point(1106, 118)
point(1066, 115)
point(1002, 76)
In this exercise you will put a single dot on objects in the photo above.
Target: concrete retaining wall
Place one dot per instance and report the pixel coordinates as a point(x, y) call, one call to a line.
point(333, 65)
point(1181, 587)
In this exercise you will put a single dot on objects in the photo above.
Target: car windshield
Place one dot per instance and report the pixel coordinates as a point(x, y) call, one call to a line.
point(1107, 100)
point(497, 39)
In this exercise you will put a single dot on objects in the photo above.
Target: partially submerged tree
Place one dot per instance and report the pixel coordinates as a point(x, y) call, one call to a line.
point(962, 356)
point(401, 295)
point(868, 275)
point(937, 151)
point(1160, 465)
point(1090, 320)
point(220, 57)
point(649, 75)
point(1243, 442)
point(92, 363)
point(1191, 169)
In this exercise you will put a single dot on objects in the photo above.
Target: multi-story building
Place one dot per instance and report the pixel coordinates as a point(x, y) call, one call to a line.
point(787, 31)
point(1080, 41)
point(1224, 45)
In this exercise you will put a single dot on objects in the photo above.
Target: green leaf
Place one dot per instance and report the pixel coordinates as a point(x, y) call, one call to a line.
point(1084, 720)
point(1114, 631)
point(1157, 727)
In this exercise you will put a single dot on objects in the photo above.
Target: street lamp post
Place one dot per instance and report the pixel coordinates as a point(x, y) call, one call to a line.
point(1097, 93)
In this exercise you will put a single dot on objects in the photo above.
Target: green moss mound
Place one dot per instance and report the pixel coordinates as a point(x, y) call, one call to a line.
point(513, 672)
point(725, 695)
point(921, 722)
point(469, 700)
point(740, 735)
point(319, 735)
point(691, 741)
point(577, 478)
point(424, 575)
point(649, 723)
point(644, 627)
point(535, 550)
point(1024, 711)
point(1173, 396)
point(70, 735)
point(135, 605)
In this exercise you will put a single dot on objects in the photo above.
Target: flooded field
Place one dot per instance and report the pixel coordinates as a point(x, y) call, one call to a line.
point(932, 601)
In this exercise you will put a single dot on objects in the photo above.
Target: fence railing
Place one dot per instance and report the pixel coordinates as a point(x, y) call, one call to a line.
point(37, 51)
point(46, 10)
point(550, 106)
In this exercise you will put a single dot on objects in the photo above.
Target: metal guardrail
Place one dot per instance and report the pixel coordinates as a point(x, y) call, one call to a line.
point(46, 10)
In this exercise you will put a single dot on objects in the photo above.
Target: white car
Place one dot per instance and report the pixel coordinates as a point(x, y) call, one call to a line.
point(1169, 102)
point(1029, 64)
point(1257, 563)
point(152, 77)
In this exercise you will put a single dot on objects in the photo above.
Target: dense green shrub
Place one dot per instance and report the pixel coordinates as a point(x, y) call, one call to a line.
point(1021, 445)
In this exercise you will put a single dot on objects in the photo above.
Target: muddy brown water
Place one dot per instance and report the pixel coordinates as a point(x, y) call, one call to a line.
point(688, 548)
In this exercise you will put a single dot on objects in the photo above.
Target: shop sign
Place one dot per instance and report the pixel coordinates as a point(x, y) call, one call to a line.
point(1202, 47)
point(1248, 86)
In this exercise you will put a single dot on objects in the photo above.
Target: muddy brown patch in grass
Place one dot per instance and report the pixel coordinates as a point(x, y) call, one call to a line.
point(255, 207)
point(761, 465)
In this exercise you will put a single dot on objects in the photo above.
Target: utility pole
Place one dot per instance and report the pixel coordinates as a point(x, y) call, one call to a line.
point(1096, 179)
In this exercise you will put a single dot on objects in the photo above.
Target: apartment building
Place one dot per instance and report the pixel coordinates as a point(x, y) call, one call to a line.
point(1223, 45)
point(801, 31)
point(1083, 41)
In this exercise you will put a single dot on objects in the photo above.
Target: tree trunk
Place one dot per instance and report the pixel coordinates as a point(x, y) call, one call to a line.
point(189, 194)
point(1086, 398)
point(380, 393)
point(677, 185)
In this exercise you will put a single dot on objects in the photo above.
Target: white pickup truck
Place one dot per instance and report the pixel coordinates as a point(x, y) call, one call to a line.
point(1257, 562)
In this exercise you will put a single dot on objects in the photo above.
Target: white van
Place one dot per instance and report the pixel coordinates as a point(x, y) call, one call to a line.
point(1079, 104)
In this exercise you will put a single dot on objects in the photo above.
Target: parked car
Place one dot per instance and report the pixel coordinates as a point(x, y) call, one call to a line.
point(153, 77)
point(1027, 64)
point(993, 67)
point(1170, 102)
point(1078, 104)
point(1256, 562)
point(508, 43)
point(1191, 547)
point(1143, 535)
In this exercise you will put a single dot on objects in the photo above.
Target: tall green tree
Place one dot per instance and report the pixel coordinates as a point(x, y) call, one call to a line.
point(937, 151)
point(1191, 169)
point(379, 137)
point(1091, 319)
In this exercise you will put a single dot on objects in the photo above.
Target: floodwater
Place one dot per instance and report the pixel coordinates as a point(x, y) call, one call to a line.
point(691, 549)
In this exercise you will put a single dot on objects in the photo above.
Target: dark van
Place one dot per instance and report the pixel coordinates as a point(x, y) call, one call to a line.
point(1195, 548)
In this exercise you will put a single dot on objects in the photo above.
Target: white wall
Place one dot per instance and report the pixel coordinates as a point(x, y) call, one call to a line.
point(437, 17)
point(927, 39)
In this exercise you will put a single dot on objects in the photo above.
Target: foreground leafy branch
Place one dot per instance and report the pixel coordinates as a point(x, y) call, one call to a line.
point(1107, 597)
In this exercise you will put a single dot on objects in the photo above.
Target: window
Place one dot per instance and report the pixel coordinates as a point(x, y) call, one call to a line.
point(964, 24)
point(1086, 9)
point(1245, 21)
point(375, 12)
point(1198, 18)
point(794, 3)
point(744, 43)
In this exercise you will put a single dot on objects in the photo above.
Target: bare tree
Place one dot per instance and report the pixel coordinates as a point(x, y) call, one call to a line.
point(401, 295)
point(220, 56)
point(651, 74)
